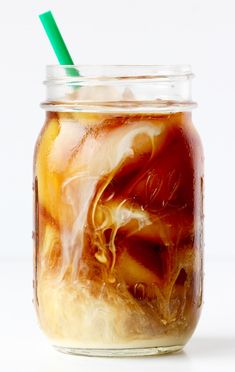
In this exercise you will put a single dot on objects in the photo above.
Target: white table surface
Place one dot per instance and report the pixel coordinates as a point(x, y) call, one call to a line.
point(24, 348)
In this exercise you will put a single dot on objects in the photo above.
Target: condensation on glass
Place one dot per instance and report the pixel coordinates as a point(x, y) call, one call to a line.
point(118, 180)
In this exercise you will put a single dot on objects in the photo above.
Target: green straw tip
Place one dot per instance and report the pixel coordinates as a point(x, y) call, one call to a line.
point(57, 41)
point(45, 14)
point(54, 35)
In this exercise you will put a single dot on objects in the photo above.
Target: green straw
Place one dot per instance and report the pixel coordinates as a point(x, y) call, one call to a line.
point(57, 42)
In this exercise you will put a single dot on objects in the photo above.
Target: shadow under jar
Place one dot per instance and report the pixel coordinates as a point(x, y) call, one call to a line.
point(118, 181)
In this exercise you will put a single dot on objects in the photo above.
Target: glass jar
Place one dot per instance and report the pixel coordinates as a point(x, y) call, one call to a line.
point(118, 180)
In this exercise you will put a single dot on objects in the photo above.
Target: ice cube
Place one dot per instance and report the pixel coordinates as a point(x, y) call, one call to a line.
point(69, 137)
point(99, 93)
point(128, 95)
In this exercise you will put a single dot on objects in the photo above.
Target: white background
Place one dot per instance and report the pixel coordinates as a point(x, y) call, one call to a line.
point(199, 32)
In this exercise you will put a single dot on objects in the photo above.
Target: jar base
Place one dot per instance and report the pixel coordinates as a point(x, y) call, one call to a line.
point(126, 352)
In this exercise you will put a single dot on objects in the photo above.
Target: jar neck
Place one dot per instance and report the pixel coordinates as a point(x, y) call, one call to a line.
point(119, 88)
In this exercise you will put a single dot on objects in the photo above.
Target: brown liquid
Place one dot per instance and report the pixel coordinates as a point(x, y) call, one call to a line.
point(119, 229)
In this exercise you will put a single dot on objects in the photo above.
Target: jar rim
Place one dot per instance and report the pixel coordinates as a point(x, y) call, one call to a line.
point(122, 88)
point(122, 71)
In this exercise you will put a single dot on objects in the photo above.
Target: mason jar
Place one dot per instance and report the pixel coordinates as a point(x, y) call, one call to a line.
point(118, 184)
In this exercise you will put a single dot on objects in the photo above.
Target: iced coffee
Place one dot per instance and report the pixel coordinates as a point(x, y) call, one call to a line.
point(118, 229)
